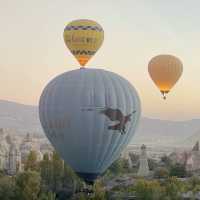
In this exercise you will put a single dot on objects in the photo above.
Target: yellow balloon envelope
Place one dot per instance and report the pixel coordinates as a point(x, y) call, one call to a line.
point(165, 71)
point(83, 38)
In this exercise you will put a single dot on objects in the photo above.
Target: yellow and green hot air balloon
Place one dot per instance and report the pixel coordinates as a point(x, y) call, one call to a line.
point(165, 71)
point(83, 38)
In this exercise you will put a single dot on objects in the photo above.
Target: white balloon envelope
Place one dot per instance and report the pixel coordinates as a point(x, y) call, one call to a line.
point(89, 116)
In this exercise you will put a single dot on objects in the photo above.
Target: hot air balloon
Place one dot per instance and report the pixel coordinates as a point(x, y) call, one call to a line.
point(83, 38)
point(165, 71)
point(89, 116)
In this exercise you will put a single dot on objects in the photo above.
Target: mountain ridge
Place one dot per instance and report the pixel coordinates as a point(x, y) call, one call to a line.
point(24, 118)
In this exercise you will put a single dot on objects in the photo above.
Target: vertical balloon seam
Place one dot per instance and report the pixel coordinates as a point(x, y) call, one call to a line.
point(133, 128)
point(44, 102)
point(83, 163)
point(85, 88)
point(51, 111)
point(41, 101)
point(102, 128)
point(116, 137)
point(136, 105)
point(110, 139)
point(94, 117)
point(65, 83)
point(86, 56)
point(88, 86)
point(95, 132)
point(102, 133)
point(171, 69)
point(93, 76)
point(75, 140)
point(120, 139)
point(93, 35)
point(60, 83)
point(47, 111)
point(175, 72)
point(120, 144)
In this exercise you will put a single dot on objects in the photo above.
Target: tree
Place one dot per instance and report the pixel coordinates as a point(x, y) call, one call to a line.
point(99, 192)
point(134, 157)
point(68, 176)
point(117, 167)
point(148, 190)
point(193, 184)
point(2, 173)
point(28, 185)
point(58, 170)
point(80, 196)
point(71, 180)
point(31, 162)
point(167, 161)
point(47, 196)
point(46, 171)
point(152, 164)
point(161, 172)
point(7, 188)
point(178, 170)
point(173, 188)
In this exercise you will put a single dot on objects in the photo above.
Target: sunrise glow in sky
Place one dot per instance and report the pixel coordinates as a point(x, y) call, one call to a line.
point(33, 52)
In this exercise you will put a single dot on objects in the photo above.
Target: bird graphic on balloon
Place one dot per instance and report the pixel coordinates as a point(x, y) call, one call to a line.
point(114, 115)
point(117, 115)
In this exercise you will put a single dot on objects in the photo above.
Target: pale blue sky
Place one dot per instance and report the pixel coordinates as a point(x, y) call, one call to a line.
point(33, 52)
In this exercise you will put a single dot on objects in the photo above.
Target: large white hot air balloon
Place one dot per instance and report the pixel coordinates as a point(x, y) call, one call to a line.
point(89, 115)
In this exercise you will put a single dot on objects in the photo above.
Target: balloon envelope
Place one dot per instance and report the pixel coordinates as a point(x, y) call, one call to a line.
point(83, 38)
point(89, 116)
point(165, 71)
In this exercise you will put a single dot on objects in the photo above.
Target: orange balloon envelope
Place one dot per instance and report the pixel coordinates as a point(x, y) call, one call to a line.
point(165, 71)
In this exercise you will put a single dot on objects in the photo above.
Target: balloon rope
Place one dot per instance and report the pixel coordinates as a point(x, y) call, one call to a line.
point(164, 94)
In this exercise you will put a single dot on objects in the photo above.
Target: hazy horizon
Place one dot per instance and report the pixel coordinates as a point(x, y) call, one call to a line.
point(142, 116)
point(33, 51)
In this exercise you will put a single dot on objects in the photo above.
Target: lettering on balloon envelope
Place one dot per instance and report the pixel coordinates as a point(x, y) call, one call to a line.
point(61, 124)
point(81, 40)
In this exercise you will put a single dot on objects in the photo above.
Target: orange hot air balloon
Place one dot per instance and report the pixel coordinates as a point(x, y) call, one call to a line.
point(83, 38)
point(165, 71)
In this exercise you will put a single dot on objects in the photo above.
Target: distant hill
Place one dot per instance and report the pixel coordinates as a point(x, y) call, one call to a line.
point(157, 131)
point(24, 118)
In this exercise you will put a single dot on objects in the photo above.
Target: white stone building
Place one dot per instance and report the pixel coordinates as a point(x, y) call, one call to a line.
point(125, 155)
point(14, 160)
point(9, 155)
point(14, 152)
point(4, 150)
point(144, 167)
